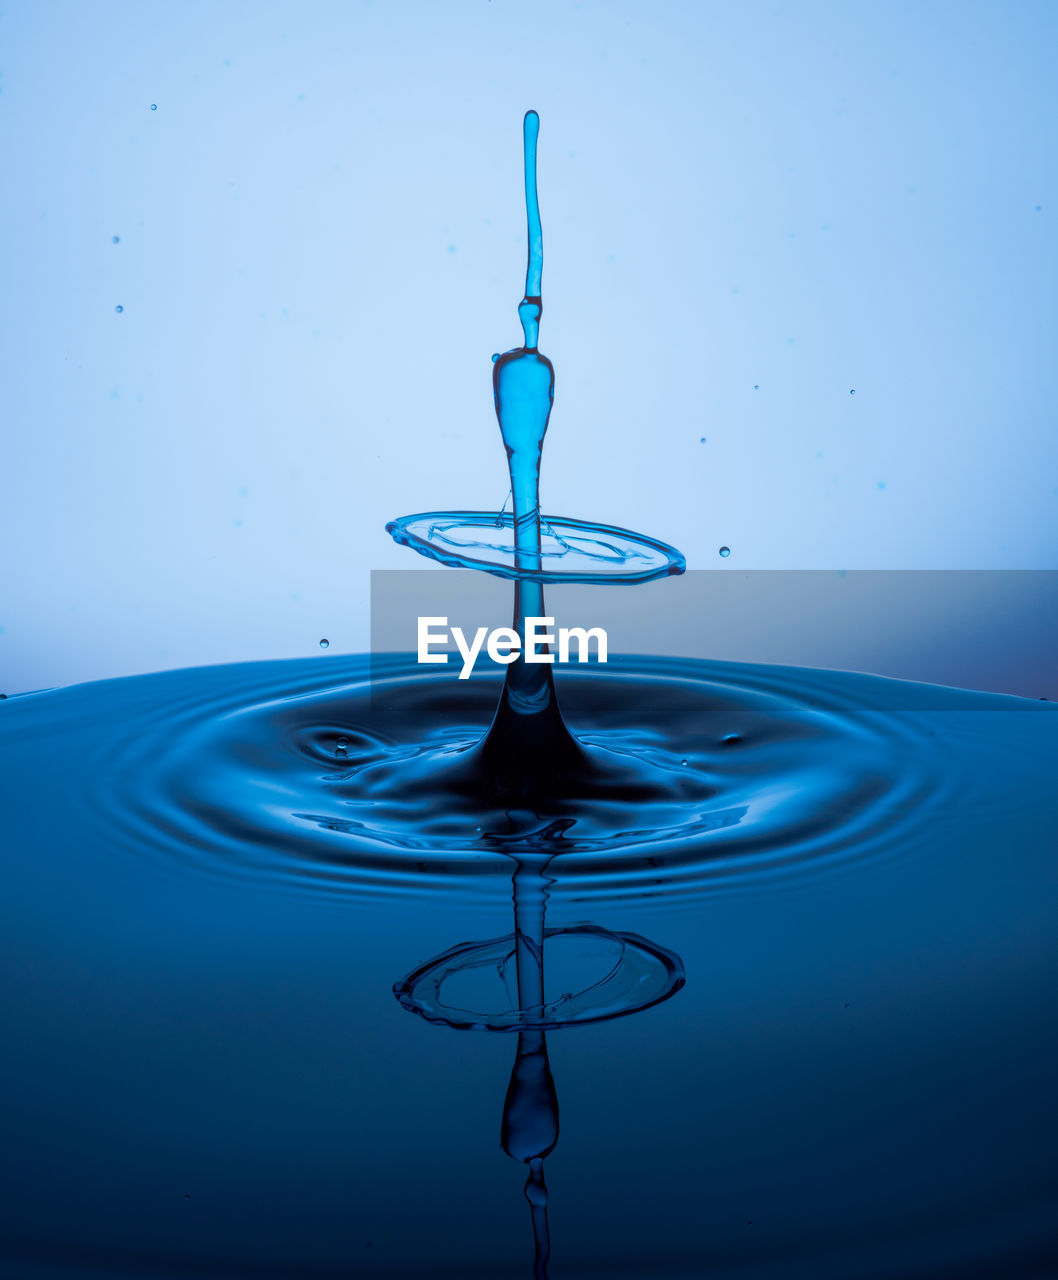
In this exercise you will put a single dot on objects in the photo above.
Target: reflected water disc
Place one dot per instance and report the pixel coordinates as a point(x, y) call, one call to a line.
point(607, 975)
point(570, 550)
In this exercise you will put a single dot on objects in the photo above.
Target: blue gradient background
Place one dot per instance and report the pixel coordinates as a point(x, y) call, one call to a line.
point(322, 242)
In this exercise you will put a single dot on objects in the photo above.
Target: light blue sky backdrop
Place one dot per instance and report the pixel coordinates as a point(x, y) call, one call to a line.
point(322, 242)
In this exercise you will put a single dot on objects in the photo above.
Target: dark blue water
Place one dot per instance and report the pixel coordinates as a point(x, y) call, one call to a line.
point(750, 971)
point(207, 908)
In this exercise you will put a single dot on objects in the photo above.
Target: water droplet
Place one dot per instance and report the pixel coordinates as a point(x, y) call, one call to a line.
point(1039, 207)
point(119, 309)
point(116, 239)
point(154, 106)
point(325, 644)
point(684, 763)
point(341, 749)
point(725, 552)
point(756, 386)
point(852, 391)
point(701, 439)
point(495, 356)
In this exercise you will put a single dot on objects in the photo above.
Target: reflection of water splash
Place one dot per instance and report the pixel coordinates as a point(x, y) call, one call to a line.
point(471, 986)
point(529, 1129)
point(640, 974)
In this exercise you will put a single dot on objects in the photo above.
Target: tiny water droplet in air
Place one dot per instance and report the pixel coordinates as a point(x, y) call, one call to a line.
point(756, 386)
point(852, 391)
point(701, 439)
point(1039, 207)
point(495, 356)
point(325, 644)
point(116, 239)
point(154, 106)
point(725, 552)
point(341, 749)
point(684, 763)
point(119, 309)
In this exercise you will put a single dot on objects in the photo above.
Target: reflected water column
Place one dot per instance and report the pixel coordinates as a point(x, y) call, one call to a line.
point(530, 1111)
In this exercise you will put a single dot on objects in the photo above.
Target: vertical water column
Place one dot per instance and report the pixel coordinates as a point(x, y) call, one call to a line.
point(530, 1112)
point(527, 731)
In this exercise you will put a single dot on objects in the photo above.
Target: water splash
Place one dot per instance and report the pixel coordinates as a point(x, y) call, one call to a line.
point(528, 751)
point(253, 806)
point(531, 548)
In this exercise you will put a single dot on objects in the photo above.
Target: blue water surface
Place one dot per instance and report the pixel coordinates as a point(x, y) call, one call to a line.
point(210, 1075)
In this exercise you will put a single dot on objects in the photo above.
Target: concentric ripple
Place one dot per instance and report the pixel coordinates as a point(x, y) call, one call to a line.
point(351, 775)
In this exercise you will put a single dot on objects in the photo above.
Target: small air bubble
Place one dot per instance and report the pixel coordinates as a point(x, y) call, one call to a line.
point(154, 106)
point(325, 644)
point(119, 309)
point(725, 552)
